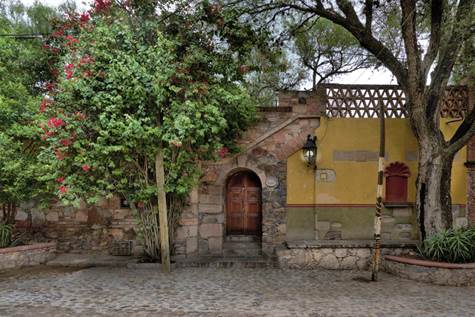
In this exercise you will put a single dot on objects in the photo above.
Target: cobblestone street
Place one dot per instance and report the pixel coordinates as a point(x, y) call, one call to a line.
point(224, 292)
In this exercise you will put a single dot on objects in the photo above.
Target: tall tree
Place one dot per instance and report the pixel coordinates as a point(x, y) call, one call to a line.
point(327, 50)
point(395, 33)
point(23, 70)
point(142, 95)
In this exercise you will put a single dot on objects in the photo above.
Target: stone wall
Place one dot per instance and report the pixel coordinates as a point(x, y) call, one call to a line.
point(342, 255)
point(27, 255)
point(265, 149)
point(78, 229)
point(435, 275)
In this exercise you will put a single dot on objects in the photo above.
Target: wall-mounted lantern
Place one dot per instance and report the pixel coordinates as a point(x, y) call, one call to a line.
point(309, 150)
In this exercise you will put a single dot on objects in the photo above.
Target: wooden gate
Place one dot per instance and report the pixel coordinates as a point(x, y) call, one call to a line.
point(243, 204)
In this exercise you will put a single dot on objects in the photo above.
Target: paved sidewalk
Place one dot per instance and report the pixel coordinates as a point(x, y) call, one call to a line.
point(115, 291)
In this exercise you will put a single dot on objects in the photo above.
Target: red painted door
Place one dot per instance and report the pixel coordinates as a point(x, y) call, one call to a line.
point(243, 204)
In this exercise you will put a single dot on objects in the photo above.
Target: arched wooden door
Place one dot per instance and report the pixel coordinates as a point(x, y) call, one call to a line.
point(243, 204)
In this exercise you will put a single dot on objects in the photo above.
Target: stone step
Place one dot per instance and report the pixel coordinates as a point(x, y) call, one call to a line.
point(242, 238)
point(236, 248)
point(227, 262)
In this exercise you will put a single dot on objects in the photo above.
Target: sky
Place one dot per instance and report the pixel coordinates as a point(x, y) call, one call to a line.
point(381, 77)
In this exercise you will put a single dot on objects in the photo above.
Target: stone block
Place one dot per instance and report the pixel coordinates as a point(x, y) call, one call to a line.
point(387, 220)
point(116, 233)
point(404, 227)
point(363, 253)
point(211, 230)
point(81, 215)
point(210, 209)
point(38, 218)
point(188, 221)
point(340, 252)
point(52, 216)
point(191, 245)
point(215, 245)
point(121, 213)
point(203, 247)
point(21, 215)
point(349, 263)
point(329, 261)
point(181, 233)
point(212, 199)
point(402, 212)
point(194, 196)
point(209, 219)
point(192, 231)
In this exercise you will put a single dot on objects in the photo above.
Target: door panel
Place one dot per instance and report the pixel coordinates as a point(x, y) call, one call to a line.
point(243, 204)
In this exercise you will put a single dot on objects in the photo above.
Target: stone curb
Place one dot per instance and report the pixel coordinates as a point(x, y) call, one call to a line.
point(29, 247)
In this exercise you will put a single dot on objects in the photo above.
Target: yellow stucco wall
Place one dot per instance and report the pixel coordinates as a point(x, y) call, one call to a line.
point(355, 181)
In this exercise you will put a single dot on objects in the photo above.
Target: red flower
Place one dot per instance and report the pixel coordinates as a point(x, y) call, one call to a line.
point(101, 5)
point(68, 69)
point(65, 142)
point(58, 33)
point(55, 122)
point(71, 40)
point(50, 86)
point(222, 153)
point(84, 18)
point(63, 189)
point(87, 73)
point(86, 59)
point(60, 179)
point(44, 103)
point(86, 168)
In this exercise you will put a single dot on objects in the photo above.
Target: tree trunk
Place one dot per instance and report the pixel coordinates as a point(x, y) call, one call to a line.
point(162, 211)
point(433, 200)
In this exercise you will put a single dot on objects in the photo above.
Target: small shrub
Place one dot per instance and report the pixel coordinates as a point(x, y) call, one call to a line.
point(453, 245)
point(6, 231)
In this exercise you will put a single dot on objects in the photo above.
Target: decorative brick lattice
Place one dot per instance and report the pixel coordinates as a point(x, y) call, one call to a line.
point(363, 101)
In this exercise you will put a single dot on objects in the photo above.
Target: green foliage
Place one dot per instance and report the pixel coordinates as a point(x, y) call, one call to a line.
point(132, 86)
point(327, 50)
point(453, 245)
point(6, 231)
point(23, 66)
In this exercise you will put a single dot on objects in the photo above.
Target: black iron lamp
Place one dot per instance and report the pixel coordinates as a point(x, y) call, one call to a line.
point(309, 150)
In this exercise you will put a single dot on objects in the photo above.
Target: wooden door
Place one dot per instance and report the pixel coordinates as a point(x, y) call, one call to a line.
point(243, 204)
